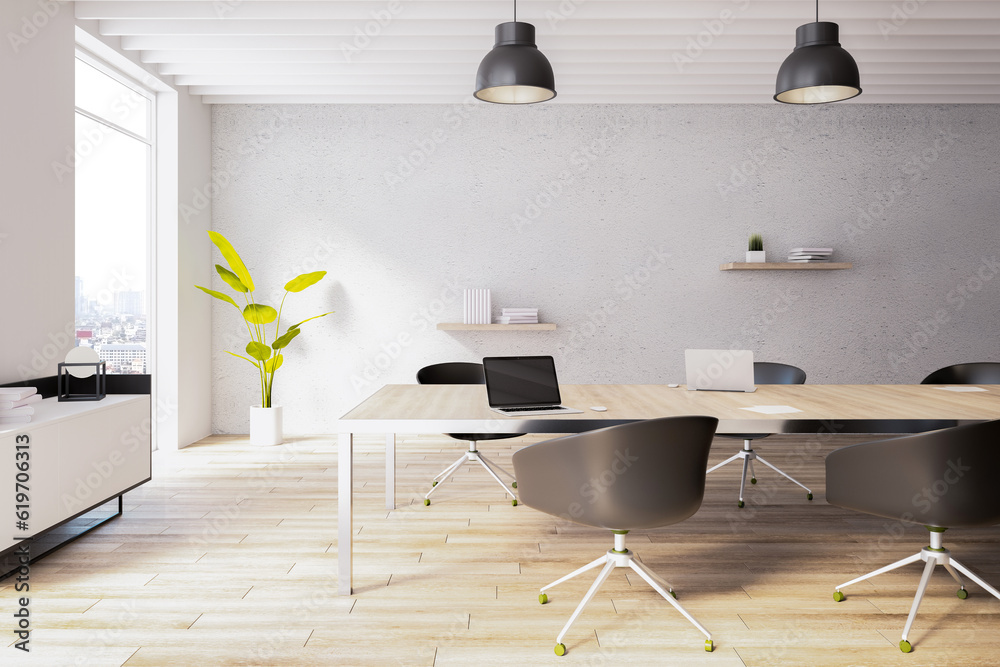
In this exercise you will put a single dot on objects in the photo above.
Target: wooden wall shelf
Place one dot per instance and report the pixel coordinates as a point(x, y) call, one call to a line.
point(785, 266)
point(458, 326)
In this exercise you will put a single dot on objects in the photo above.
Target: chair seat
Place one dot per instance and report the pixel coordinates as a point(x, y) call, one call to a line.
point(479, 437)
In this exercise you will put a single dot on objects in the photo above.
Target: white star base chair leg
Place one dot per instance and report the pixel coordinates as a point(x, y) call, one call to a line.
point(932, 555)
point(473, 455)
point(615, 558)
point(749, 456)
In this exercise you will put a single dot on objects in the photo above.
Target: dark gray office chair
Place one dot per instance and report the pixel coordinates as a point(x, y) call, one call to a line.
point(461, 372)
point(640, 475)
point(942, 479)
point(763, 373)
point(986, 372)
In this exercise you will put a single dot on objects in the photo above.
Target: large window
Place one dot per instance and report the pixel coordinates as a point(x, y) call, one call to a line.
point(114, 215)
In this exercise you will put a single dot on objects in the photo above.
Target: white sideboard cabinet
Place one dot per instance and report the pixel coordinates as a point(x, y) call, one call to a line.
point(80, 455)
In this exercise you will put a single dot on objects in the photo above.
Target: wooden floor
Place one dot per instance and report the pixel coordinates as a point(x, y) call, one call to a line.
point(228, 558)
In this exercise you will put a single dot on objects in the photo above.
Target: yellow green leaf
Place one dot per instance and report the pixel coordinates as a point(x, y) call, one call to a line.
point(273, 364)
point(231, 278)
point(258, 351)
point(218, 295)
point(299, 283)
point(232, 258)
point(296, 326)
point(257, 313)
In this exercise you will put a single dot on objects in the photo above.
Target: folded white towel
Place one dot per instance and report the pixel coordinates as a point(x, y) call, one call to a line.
point(16, 393)
point(7, 404)
point(13, 412)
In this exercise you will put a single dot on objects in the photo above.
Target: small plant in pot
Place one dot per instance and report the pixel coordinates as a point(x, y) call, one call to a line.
point(755, 249)
point(265, 420)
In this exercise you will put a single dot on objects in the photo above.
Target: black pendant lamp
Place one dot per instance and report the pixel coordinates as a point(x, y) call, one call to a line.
point(515, 71)
point(818, 70)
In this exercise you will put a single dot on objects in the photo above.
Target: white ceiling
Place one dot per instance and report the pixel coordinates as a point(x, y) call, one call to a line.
point(602, 51)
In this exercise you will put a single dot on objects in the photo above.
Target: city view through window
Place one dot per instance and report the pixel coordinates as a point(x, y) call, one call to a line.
point(113, 173)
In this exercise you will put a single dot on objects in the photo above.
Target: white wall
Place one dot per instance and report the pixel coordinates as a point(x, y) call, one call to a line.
point(36, 202)
point(612, 220)
point(37, 144)
point(193, 315)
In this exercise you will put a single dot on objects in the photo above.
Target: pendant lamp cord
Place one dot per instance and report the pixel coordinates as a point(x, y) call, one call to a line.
point(515, 10)
point(817, 10)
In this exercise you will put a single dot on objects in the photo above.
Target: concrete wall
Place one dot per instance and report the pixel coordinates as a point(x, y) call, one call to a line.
point(613, 221)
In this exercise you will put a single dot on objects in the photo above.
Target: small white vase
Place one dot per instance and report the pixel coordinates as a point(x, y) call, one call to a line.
point(265, 426)
point(755, 256)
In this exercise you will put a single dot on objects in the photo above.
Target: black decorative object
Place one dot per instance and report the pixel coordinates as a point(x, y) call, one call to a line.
point(819, 70)
point(515, 71)
point(64, 392)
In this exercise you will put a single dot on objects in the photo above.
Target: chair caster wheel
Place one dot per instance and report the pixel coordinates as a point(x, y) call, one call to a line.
point(513, 485)
point(809, 496)
point(542, 598)
point(838, 596)
point(905, 646)
point(560, 649)
point(674, 595)
point(427, 501)
point(740, 504)
point(709, 646)
point(962, 594)
point(514, 502)
point(753, 480)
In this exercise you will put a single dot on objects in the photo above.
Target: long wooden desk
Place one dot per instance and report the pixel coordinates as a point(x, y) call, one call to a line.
point(822, 409)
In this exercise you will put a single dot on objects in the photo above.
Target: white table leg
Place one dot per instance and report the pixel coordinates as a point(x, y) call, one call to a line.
point(390, 471)
point(345, 513)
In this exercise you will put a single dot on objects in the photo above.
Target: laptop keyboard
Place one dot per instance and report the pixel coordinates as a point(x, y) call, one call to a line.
point(533, 408)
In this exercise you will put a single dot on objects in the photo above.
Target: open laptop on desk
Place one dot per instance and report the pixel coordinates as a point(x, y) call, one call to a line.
point(719, 370)
point(523, 386)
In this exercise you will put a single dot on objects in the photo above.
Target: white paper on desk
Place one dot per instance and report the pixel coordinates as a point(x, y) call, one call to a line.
point(962, 388)
point(772, 409)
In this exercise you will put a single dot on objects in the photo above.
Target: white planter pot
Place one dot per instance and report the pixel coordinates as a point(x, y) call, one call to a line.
point(755, 256)
point(265, 426)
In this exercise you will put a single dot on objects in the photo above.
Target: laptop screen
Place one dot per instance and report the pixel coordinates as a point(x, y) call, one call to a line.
point(514, 382)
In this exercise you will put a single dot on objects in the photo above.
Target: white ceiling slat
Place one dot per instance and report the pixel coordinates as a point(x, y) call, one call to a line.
point(957, 57)
point(721, 98)
point(566, 80)
point(239, 71)
point(626, 51)
point(406, 25)
point(529, 10)
point(656, 44)
point(459, 87)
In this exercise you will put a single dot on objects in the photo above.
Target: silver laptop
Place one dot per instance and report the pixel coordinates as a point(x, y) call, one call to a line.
point(523, 386)
point(719, 370)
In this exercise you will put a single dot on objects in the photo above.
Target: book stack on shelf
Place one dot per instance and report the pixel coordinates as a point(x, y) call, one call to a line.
point(810, 255)
point(518, 316)
point(15, 404)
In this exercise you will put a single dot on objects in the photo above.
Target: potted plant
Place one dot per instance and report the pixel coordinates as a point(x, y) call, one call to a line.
point(265, 420)
point(755, 249)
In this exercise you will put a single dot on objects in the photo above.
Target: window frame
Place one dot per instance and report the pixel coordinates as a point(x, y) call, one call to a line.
point(153, 193)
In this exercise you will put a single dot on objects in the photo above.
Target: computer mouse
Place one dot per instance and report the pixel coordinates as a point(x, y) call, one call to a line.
point(598, 408)
point(673, 385)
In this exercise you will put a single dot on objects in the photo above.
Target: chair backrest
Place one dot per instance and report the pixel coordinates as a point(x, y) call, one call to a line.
point(945, 478)
point(638, 475)
point(766, 372)
point(453, 372)
point(986, 372)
